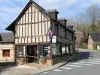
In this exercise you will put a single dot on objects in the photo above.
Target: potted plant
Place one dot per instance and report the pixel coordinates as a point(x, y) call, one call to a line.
point(42, 60)
point(20, 61)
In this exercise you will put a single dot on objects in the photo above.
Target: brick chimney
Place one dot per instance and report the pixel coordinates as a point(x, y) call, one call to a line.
point(53, 13)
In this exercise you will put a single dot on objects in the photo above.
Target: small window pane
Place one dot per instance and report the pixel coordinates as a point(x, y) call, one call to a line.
point(6, 53)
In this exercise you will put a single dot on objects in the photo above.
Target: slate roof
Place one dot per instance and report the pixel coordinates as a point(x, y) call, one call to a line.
point(95, 36)
point(6, 37)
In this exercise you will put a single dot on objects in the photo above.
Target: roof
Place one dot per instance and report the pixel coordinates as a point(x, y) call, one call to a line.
point(95, 36)
point(12, 25)
point(7, 37)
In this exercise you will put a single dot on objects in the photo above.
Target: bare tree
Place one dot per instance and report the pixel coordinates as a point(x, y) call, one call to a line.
point(93, 14)
point(86, 22)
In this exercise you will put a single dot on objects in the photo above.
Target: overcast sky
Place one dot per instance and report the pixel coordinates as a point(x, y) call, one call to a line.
point(9, 9)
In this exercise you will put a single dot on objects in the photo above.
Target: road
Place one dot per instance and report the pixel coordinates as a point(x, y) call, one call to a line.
point(4, 66)
point(87, 63)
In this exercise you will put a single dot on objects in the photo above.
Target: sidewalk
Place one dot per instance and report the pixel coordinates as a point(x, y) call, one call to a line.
point(26, 70)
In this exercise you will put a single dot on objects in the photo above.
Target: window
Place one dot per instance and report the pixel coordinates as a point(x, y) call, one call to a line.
point(56, 49)
point(6, 53)
point(19, 51)
point(63, 49)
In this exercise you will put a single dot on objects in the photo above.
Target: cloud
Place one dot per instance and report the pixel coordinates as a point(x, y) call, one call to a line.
point(9, 9)
point(96, 1)
point(50, 4)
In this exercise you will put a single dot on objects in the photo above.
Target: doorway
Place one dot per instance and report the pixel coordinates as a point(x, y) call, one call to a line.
point(31, 53)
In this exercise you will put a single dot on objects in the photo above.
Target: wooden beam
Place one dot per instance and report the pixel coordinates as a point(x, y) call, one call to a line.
point(31, 22)
point(41, 28)
point(28, 26)
point(34, 25)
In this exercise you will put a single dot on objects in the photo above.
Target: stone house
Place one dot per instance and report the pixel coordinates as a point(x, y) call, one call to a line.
point(7, 51)
point(94, 40)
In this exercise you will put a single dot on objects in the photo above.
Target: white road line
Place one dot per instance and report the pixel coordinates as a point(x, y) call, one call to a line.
point(82, 64)
point(57, 70)
point(73, 65)
point(44, 73)
point(93, 62)
point(66, 68)
point(96, 61)
point(90, 60)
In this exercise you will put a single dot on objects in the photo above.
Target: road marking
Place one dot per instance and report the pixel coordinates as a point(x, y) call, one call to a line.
point(69, 66)
point(74, 65)
point(57, 70)
point(96, 61)
point(90, 60)
point(44, 72)
point(66, 68)
point(82, 64)
point(93, 62)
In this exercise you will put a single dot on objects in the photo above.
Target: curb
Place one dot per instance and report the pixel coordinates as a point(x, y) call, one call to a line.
point(59, 65)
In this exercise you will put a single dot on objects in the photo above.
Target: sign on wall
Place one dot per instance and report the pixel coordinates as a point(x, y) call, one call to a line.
point(46, 50)
point(54, 39)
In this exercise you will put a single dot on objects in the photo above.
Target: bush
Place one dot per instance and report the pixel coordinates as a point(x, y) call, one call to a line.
point(42, 60)
point(83, 45)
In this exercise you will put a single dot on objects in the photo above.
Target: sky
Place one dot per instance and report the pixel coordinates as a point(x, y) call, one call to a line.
point(10, 9)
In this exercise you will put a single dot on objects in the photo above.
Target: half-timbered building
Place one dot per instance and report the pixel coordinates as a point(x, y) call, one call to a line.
point(39, 32)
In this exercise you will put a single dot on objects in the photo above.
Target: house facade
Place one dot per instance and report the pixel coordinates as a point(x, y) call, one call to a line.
point(94, 40)
point(7, 53)
point(39, 32)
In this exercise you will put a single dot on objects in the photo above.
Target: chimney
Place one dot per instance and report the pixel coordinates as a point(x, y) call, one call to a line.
point(71, 28)
point(53, 13)
point(63, 21)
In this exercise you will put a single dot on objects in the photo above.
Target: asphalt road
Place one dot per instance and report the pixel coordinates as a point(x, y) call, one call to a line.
point(4, 66)
point(87, 63)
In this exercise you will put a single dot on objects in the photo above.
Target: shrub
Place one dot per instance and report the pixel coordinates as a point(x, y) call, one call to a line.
point(83, 45)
